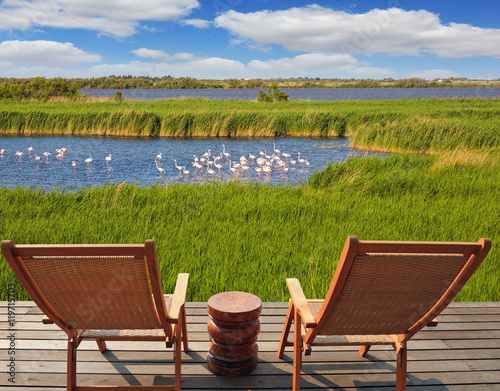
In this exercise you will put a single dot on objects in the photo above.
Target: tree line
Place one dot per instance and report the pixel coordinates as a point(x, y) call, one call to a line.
point(38, 88)
point(42, 88)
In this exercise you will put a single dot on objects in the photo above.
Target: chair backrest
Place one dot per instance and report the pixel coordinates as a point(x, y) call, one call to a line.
point(395, 288)
point(101, 287)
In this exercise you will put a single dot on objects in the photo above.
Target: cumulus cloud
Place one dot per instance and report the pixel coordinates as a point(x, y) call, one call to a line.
point(44, 53)
point(186, 64)
point(161, 55)
point(209, 68)
point(199, 23)
point(392, 31)
point(7, 70)
point(151, 53)
point(433, 74)
point(314, 64)
point(119, 18)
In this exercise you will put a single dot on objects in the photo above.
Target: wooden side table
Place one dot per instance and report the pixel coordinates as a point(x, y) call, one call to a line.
point(233, 326)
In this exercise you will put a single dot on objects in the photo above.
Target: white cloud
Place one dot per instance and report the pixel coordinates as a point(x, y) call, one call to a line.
point(317, 64)
point(186, 64)
point(151, 53)
point(186, 56)
point(433, 74)
point(44, 53)
point(7, 70)
point(118, 18)
point(209, 68)
point(161, 55)
point(393, 31)
point(199, 23)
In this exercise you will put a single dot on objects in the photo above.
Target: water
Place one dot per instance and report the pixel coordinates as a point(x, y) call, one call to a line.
point(133, 160)
point(321, 94)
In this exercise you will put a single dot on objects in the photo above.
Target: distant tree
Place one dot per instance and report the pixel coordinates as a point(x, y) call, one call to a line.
point(118, 96)
point(273, 94)
point(40, 88)
point(413, 82)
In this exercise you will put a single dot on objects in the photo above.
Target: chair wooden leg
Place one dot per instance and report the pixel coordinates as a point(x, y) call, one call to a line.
point(297, 350)
point(101, 344)
point(177, 357)
point(286, 330)
point(401, 369)
point(184, 329)
point(363, 350)
point(71, 370)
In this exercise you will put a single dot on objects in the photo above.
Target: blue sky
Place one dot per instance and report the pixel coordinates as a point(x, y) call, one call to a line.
point(222, 39)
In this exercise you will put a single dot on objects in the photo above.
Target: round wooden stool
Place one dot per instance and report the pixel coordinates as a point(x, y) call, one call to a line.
point(233, 326)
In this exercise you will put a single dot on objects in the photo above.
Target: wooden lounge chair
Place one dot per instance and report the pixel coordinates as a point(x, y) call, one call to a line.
point(103, 292)
point(382, 293)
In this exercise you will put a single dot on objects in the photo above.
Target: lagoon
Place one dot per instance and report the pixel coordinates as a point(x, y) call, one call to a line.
point(133, 160)
point(315, 94)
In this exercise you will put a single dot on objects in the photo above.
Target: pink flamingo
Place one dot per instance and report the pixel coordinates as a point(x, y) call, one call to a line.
point(162, 171)
point(178, 167)
point(108, 159)
point(88, 161)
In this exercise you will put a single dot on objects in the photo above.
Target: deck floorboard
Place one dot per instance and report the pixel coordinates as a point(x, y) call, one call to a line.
point(461, 354)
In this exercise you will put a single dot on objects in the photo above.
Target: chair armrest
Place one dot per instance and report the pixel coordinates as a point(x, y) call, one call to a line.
point(179, 297)
point(300, 302)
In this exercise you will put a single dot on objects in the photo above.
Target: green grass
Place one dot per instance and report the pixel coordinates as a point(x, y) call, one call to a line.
point(251, 237)
point(441, 123)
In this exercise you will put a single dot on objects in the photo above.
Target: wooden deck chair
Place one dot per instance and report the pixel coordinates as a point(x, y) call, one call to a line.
point(103, 292)
point(382, 293)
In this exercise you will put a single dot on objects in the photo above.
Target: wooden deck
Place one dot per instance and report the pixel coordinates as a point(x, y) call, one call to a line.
point(461, 354)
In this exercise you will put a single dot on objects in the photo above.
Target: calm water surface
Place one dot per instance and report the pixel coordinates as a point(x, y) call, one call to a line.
point(321, 94)
point(133, 160)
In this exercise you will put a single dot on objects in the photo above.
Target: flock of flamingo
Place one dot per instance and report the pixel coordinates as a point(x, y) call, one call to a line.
point(61, 154)
point(209, 163)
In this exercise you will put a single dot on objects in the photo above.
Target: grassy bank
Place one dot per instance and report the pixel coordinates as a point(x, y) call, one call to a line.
point(441, 123)
point(251, 237)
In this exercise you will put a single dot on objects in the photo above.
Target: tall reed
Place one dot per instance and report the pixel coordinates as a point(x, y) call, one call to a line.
point(251, 237)
point(402, 125)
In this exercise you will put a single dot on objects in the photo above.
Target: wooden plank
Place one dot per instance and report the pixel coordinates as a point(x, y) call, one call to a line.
point(468, 317)
point(461, 304)
point(268, 357)
point(459, 354)
point(29, 345)
point(484, 365)
point(473, 344)
point(468, 387)
point(277, 327)
point(279, 318)
point(282, 307)
point(308, 380)
point(202, 336)
point(462, 353)
point(144, 367)
point(274, 309)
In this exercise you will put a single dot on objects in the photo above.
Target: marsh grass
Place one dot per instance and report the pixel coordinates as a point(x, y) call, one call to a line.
point(251, 237)
point(462, 157)
point(399, 125)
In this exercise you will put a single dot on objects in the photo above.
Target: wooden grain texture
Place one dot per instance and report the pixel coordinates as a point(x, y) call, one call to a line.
point(461, 354)
point(233, 327)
